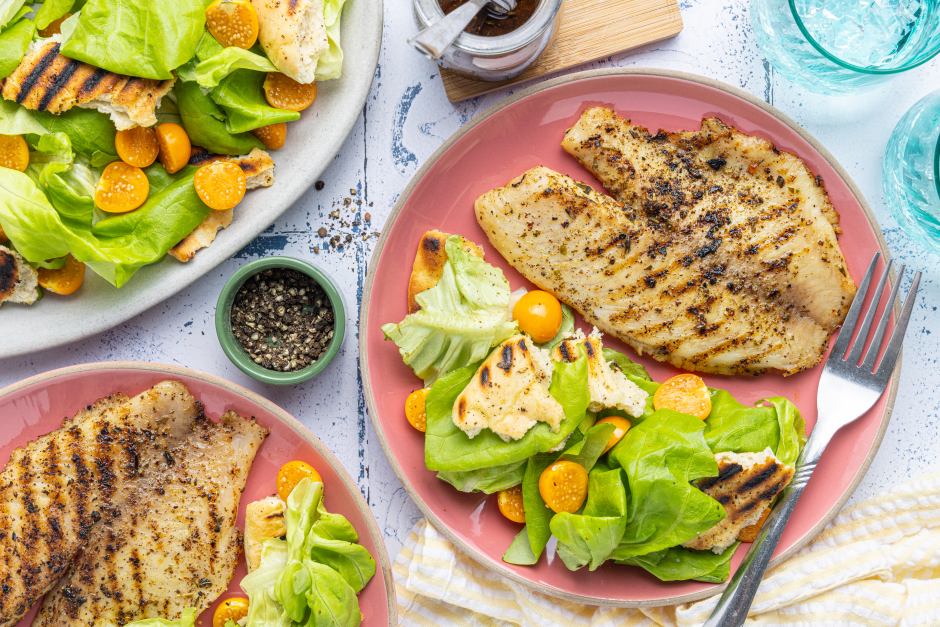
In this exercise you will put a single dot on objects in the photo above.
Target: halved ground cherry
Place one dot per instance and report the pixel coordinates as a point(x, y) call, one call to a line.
point(175, 146)
point(684, 393)
point(415, 411)
point(66, 279)
point(55, 27)
point(121, 188)
point(272, 135)
point(221, 185)
point(293, 473)
point(14, 153)
point(564, 486)
point(538, 314)
point(749, 533)
point(510, 504)
point(3, 236)
point(137, 146)
point(233, 609)
point(621, 426)
point(233, 23)
point(283, 92)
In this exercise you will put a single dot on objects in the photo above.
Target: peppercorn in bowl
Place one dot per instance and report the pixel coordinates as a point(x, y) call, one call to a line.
point(280, 320)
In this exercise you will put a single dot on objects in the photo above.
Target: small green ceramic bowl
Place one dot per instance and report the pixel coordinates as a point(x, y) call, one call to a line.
point(233, 348)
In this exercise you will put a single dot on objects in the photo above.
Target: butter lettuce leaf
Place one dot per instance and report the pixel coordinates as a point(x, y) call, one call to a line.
point(331, 599)
point(448, 448)
point(216, 62)
point(135, 37)
point(241, 96)
point(9, 9)
point(486, 480)
point(330, 63)
point(13, 43)
point(461, 317)
point(738, 428)
point(51, 10)
point(17, 120)
point(90, 132)
point(264, 609)
point(679, 564)
point(591, 537)
point(205, 123)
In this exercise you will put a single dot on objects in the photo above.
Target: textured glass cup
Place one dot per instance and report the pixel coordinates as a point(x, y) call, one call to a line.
point(841, 47)
point(912, 172)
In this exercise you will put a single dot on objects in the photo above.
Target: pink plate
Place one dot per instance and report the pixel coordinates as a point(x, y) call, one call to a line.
point(520, 133)
point(36, 406)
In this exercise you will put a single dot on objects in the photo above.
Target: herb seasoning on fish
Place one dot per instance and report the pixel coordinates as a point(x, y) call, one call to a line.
point(283, 319)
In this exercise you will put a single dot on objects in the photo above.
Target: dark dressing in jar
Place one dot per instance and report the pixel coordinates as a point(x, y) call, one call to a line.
point(486, 26)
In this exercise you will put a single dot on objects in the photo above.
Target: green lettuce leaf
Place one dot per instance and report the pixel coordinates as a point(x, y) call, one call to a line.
point(538, 516)
point(520, 550)
point(738, 428)
point(587, 451)
point(662, 456)
point(330, 63)
point(792, 430)
point(51, 10)
point(679, 564)
point(264, 610)
point(187, 619)
point(241, 96)
point(13, 43)
point(446, 447)
point(332, 600)
point(461, 317)
point(135, 37)
point(216, 62)
point(591, 537)
point(9, 10)
point(486, 480)
point(206, 124)
point(17, 120)
point(89, 131)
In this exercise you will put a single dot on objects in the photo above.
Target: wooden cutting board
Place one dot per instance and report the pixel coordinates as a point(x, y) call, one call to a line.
point(589, 30)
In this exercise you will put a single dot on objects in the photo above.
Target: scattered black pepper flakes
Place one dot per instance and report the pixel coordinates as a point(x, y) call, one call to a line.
point(283, 319)
point(319, 185)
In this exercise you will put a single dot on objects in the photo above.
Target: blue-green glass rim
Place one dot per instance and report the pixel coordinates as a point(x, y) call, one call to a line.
point(849, 66)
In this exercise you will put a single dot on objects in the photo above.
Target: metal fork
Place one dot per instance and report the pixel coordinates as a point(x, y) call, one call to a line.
point(846, 391)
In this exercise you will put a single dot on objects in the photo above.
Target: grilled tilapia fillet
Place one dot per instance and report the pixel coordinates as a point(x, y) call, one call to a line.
point(683, 277)
point(55, 489)
point(47, 81)
point(175, 544)
point(745, 486)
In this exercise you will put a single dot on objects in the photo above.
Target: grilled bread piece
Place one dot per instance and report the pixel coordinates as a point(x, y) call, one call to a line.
point(508, 394)
point(745, 486)
point(259, 170)
point(19, 281)
point(608, 388)
point(697, 288)
point(293, 34)
point(263, 519)
point(47, 81)
point(429, 264)
point(175, 544)
point(55, 489)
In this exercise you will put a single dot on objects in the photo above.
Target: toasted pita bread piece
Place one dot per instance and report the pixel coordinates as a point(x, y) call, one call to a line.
point(19, 281)
point(263, 519)
point(509, 392)
point(745, 486)
point(293, 34)
point(429, 264)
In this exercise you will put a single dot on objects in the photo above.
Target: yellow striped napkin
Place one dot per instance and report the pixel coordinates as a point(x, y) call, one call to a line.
point(877, 563)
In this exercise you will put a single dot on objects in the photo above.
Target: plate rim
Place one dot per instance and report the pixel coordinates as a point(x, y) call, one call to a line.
point(393, 217)
point(276, 410)
point(184, 277)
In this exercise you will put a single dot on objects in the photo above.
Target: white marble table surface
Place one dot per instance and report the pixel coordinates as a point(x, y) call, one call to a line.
point(407, 116)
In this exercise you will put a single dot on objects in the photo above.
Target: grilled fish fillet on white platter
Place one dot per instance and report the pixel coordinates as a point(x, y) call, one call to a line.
point(719, 253)
point(62, 493)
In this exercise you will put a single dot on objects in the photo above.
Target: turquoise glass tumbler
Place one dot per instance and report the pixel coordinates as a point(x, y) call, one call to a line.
point(842, 47)
point(912, 172)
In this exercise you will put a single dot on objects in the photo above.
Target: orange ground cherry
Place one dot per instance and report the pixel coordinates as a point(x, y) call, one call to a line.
point(233, 23)
point(538, 314)
point(272, 135)
point(293, 473)
point(137, 146)
point(564, 486)
point(65, 280)
point(415, 411)
point(283, 92)
point(684, 393)
point(175, 146)
point(233, 609)
point(510, 504)
point(221, 185)
point(14, 153)
point(55, 27)
point(621, 426)
point(121, 188)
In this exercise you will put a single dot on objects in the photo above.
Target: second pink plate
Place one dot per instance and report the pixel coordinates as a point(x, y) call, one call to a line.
point(520, 133)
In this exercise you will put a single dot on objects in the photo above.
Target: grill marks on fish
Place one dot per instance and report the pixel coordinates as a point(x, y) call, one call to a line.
point(35, 73)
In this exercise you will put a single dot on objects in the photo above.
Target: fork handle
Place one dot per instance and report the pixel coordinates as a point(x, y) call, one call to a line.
point(734, 604)
point(437, 37)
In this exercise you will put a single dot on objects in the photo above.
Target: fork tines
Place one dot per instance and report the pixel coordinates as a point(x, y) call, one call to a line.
point(848, 356)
